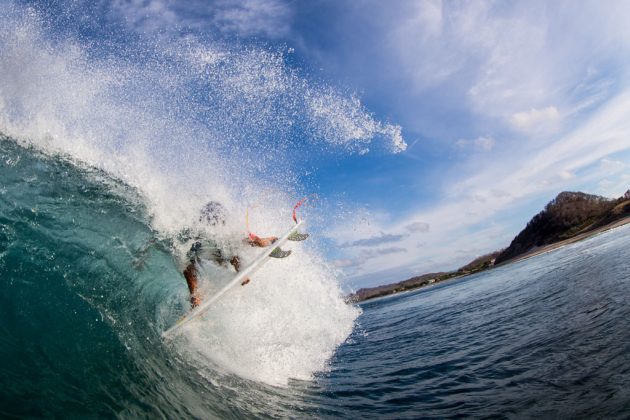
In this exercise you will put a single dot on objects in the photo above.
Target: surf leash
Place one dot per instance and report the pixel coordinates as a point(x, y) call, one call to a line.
point(299, 204)
point(297, 236)
point(251, 235)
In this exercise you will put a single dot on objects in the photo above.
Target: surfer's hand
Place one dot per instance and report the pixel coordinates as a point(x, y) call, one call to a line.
point(263, 242)
point(245, 281)
point(195, 300)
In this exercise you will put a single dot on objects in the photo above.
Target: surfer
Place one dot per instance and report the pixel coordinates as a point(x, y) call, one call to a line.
point(213, 214)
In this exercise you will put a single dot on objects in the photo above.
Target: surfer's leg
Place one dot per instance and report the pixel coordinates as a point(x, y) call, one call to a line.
point(190, 273)
point(236, 262)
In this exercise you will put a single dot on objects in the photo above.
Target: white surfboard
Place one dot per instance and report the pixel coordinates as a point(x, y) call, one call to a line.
point(246, 272)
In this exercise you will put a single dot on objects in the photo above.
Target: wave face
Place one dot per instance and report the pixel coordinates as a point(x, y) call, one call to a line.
point(83, 300)
point(88, 285)
point(109, 149)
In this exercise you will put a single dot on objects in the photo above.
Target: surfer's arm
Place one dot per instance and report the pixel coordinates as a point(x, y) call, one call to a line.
point(261, 242)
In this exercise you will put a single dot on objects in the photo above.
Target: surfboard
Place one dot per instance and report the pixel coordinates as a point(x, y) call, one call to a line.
point(240, 276)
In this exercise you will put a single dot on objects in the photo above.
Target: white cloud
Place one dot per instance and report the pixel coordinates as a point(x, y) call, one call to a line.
point(536, 120)
point(370, 253)
point(523, 66)
point(478, 212)
point(480, 143)
point(419, 32)
point(462, 143)
point(495, 57)
point(605, 183)
point(485, 143)
point(269, 18)
point(382, 238)
point(345, 262)
point(355, 264)
point(613, 164)
point(417, 227)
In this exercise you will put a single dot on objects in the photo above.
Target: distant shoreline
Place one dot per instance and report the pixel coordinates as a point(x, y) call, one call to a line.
point(532, 253)
point(564, 242)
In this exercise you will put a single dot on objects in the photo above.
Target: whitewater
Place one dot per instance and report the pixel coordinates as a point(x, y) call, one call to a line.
point(87, 286)
point(112, 139)
point(109, 151)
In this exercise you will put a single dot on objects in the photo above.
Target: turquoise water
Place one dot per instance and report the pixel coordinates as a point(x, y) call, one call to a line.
point(113, 140)
point(84, 300)
point(75, 311)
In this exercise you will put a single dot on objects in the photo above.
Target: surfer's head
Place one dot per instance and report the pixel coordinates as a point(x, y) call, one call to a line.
point(213, 213)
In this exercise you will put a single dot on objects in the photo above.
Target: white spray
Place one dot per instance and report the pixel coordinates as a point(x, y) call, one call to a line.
point(187, 123)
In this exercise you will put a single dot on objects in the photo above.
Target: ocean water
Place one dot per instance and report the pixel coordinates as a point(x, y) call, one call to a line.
point(547, 337)
point(83, 301)
point(112, 137)
point(88, 286)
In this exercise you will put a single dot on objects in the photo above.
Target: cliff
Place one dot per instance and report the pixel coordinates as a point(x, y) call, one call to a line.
point(568, 215)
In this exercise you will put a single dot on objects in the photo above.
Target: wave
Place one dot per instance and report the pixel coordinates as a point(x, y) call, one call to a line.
point(89, 285)
point(106, 158)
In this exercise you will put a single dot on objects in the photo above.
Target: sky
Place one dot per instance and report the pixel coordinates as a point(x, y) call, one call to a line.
point(503, 105)
point(500, 105)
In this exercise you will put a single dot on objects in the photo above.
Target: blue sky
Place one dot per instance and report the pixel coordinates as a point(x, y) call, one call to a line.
point(501, 104)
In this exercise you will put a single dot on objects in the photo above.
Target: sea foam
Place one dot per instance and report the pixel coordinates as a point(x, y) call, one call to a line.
point(182, 121)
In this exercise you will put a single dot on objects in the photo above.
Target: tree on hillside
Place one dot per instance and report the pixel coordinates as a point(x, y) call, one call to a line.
point(567, 214)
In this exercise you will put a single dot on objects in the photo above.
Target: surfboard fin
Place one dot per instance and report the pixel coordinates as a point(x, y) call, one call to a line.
point(279, 253)
point(297, 236)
